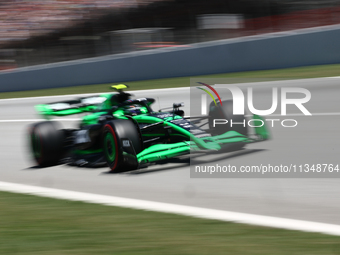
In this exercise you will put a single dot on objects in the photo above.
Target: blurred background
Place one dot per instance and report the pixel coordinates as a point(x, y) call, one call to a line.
point(36, 32)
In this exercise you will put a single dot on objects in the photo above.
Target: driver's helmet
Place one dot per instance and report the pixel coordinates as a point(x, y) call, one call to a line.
point(119, 98)
point(134, 110)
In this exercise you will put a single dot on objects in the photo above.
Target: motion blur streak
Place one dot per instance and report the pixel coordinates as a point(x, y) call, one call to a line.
point(38, 32)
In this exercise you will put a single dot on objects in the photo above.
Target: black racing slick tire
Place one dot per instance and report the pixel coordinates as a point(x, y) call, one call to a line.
point(225, 112)
point(114, 132)
point(46, 143)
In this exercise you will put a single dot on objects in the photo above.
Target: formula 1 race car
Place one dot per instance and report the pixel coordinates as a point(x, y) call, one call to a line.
point(126, 134)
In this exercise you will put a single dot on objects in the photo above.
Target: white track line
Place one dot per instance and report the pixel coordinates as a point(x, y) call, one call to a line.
point(245, 218)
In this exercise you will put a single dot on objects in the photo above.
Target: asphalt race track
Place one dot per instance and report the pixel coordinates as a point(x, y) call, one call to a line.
point(314, 140)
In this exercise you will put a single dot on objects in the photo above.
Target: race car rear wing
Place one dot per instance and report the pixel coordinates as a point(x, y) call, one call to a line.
point(81, 105)
point(64, 108)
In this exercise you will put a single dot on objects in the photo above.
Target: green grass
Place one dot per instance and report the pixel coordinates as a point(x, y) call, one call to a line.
point(35, 225)
point(291, 73)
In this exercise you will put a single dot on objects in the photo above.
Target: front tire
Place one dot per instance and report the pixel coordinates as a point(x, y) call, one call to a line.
point(113, 133)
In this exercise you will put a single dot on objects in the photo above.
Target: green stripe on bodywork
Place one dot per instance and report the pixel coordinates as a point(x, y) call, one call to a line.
point(163, 151)
point(200, 142)
point(157, 135)
point(230, 137)
point(211, 143)
point(262, 132)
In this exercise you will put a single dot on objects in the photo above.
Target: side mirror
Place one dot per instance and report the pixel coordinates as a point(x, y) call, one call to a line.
point(177, 105)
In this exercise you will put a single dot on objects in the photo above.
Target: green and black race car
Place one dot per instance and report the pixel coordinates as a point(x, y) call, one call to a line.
point(126, 134)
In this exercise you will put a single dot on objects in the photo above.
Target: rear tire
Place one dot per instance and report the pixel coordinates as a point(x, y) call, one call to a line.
point(46, 142)
point(113, 132)
point(225, 111)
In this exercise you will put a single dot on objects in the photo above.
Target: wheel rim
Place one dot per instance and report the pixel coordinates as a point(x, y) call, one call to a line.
point(110, 146)
point(36, 146)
